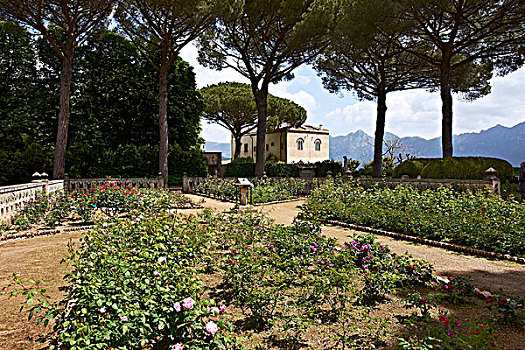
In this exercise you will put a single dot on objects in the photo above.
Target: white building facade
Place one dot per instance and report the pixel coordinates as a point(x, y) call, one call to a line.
point(307, 144)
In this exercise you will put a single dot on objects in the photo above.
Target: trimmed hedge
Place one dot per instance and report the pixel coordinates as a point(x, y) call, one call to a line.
point(470, 168)
point(281, 170)
point(321, 168)
point(411, 167)
point(240, 167)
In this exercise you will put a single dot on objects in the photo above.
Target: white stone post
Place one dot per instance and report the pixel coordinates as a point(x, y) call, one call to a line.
point(490, 175)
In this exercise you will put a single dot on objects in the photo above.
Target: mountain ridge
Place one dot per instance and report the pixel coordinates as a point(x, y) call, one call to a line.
point(498, 141)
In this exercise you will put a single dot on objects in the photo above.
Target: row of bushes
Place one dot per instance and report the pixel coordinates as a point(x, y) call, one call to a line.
point(245, 167)
point(464, 218)
point(263, 191)
point(472, 168)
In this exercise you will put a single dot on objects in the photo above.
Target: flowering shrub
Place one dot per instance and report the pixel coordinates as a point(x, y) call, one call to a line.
point(383, 270)
point(469, 219)
point(264, 190)
point(56, 208)
point(448, 332)
point(134, 283)
point(456, 289)
point(51, 210)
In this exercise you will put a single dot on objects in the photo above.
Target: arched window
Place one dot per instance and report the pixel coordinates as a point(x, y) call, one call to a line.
point(300, 144)
point(317, 145)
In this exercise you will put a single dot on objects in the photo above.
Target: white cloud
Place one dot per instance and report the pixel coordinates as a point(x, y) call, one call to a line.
point(302, 97)
point(214, 132)
point(418, 112)
point(504, 105)
point(205, 76)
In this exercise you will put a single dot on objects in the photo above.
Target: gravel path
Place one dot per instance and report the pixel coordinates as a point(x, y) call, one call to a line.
point(491, 275)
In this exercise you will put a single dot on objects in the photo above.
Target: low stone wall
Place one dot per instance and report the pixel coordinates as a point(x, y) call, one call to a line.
point(492, 183)
point(12, 197)
point(89, 183)
point(432, 184)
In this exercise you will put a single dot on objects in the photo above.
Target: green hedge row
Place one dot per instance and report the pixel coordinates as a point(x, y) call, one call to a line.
point(245, 167)
point(470, 168)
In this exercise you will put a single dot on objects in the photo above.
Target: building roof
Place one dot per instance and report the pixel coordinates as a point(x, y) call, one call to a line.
point(303, 128)
point(307, 128)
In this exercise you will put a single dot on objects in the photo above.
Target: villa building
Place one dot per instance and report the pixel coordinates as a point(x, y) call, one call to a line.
point(307, 144)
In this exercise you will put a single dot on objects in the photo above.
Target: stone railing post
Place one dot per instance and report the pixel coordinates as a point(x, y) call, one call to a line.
point(347, 176)
point(160, 181)
point(45, 183)
point(490, 175)
point(67, 183)
point(185, 183)
point(329, 174)
point(35, 177)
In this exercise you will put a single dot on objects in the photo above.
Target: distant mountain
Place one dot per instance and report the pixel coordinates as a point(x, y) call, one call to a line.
point(498, 141)
point(225, 148)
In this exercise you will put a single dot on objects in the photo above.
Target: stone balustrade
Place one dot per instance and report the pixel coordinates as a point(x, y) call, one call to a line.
point(431, 184)
point(90, 183)
point(12, 197)
point(490, 181)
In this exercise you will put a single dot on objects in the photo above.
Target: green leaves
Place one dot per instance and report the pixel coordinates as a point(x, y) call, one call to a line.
point(470, 219)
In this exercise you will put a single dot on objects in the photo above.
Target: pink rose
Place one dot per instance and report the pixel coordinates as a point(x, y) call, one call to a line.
point(222, 308)
point(124, 319)
point(177, 307)
point(176, 347)
point(211, 328)
point(188, 303)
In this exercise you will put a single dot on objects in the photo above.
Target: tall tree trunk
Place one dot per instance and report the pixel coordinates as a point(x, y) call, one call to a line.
point(446, 109)
point(377, 168)
point(238, 145)
point(66, 75)
point(261, 99)
point(163, 122)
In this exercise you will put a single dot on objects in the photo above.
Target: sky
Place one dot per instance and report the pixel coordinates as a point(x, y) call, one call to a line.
point(410, 113)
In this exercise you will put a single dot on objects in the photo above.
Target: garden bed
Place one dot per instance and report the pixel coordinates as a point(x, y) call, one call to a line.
point(264, 191)
point(163, 281)
point(474, 220)
point(65, 212)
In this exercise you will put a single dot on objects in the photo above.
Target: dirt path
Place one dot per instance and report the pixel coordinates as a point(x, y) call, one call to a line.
point(35, 258)
point(485, 274)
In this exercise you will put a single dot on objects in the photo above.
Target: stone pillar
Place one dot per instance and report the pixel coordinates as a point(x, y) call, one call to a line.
point(490, 175)
point(160, 181)
point(244, 195)
point(244, 186)
point(67, 182)
point(345, 164)
point(185, 183)
point(329, 174)
point(45, 183)
point(35, 177)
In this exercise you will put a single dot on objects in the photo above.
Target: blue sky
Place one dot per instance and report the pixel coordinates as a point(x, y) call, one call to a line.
point(410, 113)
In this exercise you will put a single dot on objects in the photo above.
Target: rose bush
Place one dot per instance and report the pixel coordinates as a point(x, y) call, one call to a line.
point(475, 220)
point(263, 191)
